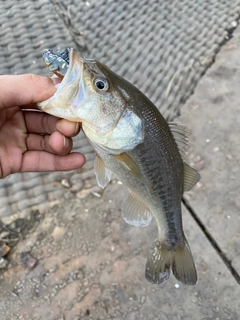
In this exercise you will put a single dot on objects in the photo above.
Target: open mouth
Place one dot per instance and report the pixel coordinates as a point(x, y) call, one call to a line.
point(67, 67)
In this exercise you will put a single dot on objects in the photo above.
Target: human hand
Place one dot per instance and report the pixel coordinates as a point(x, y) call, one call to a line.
point(33, 140)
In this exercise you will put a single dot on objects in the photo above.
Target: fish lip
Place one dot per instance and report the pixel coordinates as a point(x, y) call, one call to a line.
point(74, 58)
point(73, 55)
point(89, 59)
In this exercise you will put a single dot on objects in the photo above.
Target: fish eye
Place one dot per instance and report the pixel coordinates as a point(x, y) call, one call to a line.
point(101, 84)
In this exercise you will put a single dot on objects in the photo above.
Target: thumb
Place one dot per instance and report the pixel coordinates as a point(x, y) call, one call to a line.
point(24, 89)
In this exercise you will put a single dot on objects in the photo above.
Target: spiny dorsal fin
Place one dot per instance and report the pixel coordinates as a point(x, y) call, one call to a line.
point(180, 135)
point(191, 177)
point(128, 163)
point(103, 175)
point(134, 212)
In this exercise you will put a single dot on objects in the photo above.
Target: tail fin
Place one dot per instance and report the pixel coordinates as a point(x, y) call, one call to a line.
point(180, 260)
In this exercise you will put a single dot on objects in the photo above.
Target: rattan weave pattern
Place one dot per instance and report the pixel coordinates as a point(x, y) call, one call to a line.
point(148, 42)
point(163, 47)
point(28, 27)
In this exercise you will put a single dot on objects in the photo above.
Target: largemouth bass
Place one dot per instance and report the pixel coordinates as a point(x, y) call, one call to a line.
point(135, 143)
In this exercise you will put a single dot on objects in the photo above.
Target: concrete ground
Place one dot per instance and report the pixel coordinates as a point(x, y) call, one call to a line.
point(81, 261)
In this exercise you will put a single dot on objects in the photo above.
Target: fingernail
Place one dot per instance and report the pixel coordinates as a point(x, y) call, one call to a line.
point(77, 126)
point(65, 142)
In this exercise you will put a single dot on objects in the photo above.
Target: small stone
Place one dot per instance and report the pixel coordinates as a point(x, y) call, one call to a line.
point(4, 249)
point(28, 260)
point(58, 233)
point(96, 194)
point(3, 263)
point(65, 183)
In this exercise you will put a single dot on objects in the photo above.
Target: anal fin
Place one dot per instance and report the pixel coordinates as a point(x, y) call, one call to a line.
point(134, 212)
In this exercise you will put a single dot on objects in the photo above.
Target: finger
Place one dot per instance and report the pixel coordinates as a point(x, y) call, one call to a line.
point(24, 89)
point(54, 143)
point(40, 161)
point(68, 128)
point(40, 122)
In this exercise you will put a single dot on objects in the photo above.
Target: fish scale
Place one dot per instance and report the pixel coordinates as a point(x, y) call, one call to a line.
point(158, 165)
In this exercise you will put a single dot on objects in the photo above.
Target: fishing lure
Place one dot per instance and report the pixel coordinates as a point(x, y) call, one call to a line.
point(57, 63)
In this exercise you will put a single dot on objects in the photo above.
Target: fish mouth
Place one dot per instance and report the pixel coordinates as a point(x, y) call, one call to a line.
point(69, 86)
point(62, 64)
point(62, 76)
point(65, 61)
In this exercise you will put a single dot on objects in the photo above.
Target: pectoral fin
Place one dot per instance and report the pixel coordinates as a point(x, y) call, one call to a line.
point(134, 212)
point(191, 177)
point(103, 175)
point(127, 162)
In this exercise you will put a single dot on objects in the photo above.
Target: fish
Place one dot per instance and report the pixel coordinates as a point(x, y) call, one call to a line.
point(134, 143)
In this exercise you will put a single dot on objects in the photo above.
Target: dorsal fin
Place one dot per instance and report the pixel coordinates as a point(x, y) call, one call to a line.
point(180, 135)
point(191, 177)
